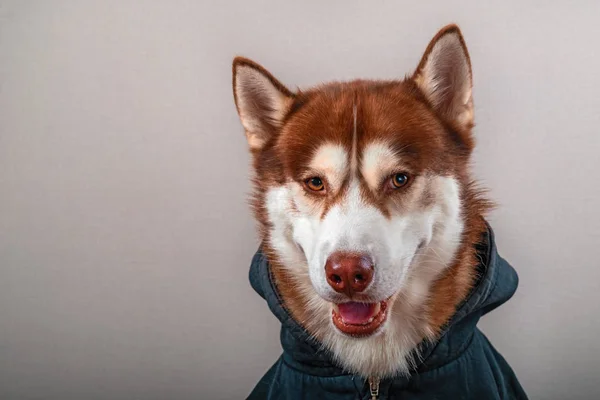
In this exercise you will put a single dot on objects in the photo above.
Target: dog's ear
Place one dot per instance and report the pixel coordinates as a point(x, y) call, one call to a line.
point(261, 100)
point(444, 76)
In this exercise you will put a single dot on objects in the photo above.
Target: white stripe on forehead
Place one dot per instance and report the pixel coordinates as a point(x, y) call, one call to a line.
point(331, 160)
point(354, 162)
point(378, 161)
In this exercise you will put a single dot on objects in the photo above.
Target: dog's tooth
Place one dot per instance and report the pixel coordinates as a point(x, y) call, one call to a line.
point(335, 308)
point(377, 309)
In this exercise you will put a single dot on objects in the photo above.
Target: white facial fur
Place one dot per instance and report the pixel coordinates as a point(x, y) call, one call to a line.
point(304, 239)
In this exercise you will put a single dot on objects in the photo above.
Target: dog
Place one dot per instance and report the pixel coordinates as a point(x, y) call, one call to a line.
point(375, 255)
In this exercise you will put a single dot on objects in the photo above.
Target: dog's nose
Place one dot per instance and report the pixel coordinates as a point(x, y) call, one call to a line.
point(349, 272)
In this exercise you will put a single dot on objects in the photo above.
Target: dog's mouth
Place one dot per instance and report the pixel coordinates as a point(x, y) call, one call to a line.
point(359, 319)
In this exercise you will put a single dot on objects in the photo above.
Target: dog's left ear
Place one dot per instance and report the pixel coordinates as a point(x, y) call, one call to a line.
point(444, 76)
point(261, 100)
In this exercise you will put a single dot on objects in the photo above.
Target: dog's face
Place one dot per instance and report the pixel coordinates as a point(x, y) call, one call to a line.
point(358, 189)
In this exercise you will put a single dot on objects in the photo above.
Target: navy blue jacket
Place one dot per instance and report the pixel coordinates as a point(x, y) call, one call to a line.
point(462, 364)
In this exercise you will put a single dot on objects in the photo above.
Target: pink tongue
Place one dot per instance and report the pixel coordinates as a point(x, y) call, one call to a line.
point(356, 313)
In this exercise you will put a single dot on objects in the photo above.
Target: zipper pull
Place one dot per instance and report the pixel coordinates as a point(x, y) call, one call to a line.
point(374, 387)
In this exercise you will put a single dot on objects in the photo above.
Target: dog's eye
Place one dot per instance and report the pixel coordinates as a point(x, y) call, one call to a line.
point(315, 184)
point(398, 180)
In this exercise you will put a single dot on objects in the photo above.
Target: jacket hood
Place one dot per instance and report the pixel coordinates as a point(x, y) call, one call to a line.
point(496, 283)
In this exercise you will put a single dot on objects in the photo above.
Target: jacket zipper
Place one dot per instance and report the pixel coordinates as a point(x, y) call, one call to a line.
point(374, 387)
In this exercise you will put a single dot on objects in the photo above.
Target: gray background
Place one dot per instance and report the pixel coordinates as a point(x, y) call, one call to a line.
point(125, 237)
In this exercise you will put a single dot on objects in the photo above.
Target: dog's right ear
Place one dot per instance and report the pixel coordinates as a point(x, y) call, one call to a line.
point(261, 100)
point(444, 76)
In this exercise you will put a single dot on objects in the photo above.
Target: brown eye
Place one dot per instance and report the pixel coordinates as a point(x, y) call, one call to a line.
point(315, 184)
point(398, 180)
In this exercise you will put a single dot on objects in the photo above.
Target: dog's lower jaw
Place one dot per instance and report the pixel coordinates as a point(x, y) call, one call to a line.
point(388, 352)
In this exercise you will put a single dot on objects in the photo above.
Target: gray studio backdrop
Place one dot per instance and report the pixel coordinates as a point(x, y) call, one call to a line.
point(125, 237)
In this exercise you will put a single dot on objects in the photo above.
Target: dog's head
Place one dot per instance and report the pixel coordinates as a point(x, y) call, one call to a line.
point(360, 193)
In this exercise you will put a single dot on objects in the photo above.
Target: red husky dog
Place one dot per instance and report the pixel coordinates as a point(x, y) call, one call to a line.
point(376, 256)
